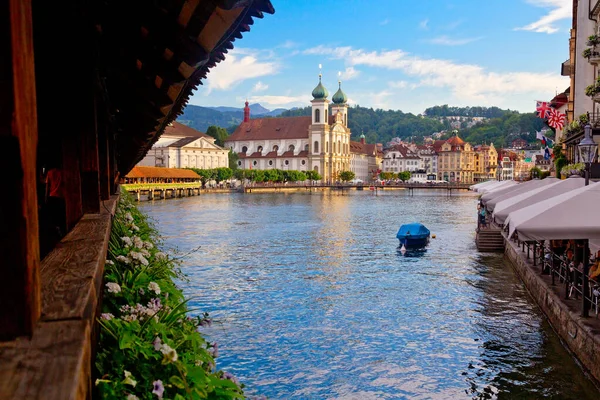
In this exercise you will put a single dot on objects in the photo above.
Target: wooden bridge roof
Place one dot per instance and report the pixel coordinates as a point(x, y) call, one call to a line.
point(153, 54)
point(166, 173)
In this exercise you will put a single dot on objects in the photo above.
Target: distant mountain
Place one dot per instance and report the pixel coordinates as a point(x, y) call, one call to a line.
point(201, 118)
point(255, 109)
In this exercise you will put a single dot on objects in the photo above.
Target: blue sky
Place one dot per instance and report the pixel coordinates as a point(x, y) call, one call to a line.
point(398, 54)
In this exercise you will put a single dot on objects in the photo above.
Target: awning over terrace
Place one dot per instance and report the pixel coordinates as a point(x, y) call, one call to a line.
point(481, 185)
point(496, 186)
point(499, 190)
point(566, 216)
point(505, 207)
point(520, 189)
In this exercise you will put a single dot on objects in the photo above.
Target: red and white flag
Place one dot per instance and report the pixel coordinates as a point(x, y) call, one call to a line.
point(556, 119)
point(542, 108)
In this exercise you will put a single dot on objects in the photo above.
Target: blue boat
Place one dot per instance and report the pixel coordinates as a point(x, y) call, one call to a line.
point(413, 235)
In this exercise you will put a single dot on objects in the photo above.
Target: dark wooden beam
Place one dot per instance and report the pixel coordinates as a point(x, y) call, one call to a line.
point(90, 163)
point(20, 294)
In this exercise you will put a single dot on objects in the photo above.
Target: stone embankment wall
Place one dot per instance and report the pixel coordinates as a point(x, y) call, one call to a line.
point(581, 335)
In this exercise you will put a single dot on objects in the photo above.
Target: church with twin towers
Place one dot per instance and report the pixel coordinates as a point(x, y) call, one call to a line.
point(319, 142)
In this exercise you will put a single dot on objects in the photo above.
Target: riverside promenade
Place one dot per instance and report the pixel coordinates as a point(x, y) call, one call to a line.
point(580, 335)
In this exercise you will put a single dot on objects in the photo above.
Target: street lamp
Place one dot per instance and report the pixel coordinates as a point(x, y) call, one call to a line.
point(587, 152)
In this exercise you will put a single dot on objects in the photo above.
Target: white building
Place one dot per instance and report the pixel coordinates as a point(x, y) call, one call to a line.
point(429, 157)
point(507, 170)
point(183, 147)
point(400, 158)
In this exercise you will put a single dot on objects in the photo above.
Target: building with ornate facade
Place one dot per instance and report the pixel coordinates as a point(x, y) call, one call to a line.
point(456, 160)
point(486, 162)
point(183, 147)
point(319, 142)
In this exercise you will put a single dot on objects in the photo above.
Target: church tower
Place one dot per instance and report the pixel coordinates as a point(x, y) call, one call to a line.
point(319, 131)
point(340, 105)
point(339, 134)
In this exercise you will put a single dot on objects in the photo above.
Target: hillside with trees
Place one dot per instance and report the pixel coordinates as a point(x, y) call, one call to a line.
point(381, 126)
point(501, 131)
point(447, 111)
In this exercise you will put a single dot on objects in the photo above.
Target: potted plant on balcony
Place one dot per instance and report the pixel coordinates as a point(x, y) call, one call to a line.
point(592, 55)
point(593, 90)
point(593, 40)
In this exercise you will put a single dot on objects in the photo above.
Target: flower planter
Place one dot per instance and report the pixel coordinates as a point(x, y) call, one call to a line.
point(596, 97)
point(594, 59)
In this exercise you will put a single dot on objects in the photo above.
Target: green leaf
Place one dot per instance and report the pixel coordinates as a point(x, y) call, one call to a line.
point(177, 381)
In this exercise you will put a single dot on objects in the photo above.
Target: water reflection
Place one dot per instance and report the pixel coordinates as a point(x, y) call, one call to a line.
point(313, 300)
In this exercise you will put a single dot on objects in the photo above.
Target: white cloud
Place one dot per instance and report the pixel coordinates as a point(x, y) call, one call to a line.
point(385, 22)
point(349, 73)
point(374, 99)
point(288, 44)
point(561, 9)
point(398, 84)
point(448, 41)
point(274, 101)
point(468, 82)
point(240, 65)
point(423, 24)
point(260, 87)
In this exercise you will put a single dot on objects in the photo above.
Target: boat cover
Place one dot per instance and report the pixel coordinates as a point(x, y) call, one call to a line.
point(416, 230)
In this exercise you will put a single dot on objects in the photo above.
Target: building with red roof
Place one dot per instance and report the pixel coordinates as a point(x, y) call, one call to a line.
point(319, 142)
point(456, 160)
point(183, 147)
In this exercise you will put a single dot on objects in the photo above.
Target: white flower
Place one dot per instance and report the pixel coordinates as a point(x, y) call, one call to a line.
point(107, 316)
point(169, 353)
point(127, 241)
point(138, 257)
point(123, 259)
point(109, 262)
point(160, 255)
point(135, 227)
point(137, 242)
point(145, 252)
point(132, 397)
point(128, 217)
point(130, 317)
point(157, 343)
point(154, 287)
point(148, 245)
point(128, 379)
point(113, 287)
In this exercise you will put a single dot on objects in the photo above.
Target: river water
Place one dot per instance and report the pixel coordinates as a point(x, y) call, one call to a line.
point(311, 299)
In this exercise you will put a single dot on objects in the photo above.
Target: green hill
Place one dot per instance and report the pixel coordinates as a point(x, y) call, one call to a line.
point(381, 126)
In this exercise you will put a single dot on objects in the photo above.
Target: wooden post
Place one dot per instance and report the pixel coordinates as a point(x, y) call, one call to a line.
point(103, 158)
point(20, 294)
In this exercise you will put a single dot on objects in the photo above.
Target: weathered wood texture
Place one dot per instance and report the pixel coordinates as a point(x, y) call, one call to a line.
point(20, 296)
point(73, 270)
point(54, 364)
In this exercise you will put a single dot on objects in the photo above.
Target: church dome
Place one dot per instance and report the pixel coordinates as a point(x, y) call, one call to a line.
point(340, 97)
point(320, 92)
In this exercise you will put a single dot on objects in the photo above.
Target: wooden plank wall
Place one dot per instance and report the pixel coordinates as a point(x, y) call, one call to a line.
point(19, 247)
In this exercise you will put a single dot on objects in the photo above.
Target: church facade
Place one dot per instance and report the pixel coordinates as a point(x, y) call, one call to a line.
point(319, 142)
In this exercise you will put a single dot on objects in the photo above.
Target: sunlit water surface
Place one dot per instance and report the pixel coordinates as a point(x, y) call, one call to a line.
point(311, 299)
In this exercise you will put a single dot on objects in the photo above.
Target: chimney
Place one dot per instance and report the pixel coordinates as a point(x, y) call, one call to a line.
point(362, 140)
point(246, 112)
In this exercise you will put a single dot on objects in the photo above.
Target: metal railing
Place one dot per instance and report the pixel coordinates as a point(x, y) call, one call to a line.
point(566, 272)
